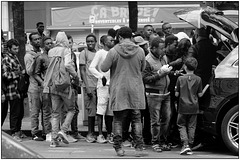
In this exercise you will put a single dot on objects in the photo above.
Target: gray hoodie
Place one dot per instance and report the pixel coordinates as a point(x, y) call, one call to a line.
point(126, 61)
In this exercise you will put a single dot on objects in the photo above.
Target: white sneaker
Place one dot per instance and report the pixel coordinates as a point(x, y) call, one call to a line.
point(127, 143)
point(49, 137)
point(101, 139)
point(63, 137)
point(71, 139)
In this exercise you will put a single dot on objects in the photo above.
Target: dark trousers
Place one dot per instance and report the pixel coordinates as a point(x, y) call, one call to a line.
point(125, 128)
point(119, 117)
point(4, 110)
point(187, 126)
point(16, 114)
point(74, 123)
point(145, 116)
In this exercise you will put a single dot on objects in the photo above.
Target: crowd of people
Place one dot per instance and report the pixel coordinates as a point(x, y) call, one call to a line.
point(146, 85)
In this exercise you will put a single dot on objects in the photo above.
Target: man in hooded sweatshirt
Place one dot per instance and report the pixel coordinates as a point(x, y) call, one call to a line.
point(34, 89)
point(126, 61)
point(65, 97)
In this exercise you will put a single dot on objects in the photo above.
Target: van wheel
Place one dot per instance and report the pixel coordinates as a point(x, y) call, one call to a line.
point(229, 129)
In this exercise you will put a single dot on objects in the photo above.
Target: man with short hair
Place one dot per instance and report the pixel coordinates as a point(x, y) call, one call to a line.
point(156, 80)
point(126, 61)
point(103, 108)
point(167, 29)
point(40, 29)
point(205, 53)
point(34, 89)
point(11, 72)
point(42, 63)
point(171, 43)
point(147, 31)
point(75, 135)
point(89, 84)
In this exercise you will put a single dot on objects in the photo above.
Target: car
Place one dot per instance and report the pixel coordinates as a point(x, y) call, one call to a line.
point(221, 118)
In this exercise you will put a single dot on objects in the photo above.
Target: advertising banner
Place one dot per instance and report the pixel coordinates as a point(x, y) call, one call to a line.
point(113, 15)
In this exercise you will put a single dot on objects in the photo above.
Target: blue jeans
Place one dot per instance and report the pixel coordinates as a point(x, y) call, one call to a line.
point(187, 126)
point(119, 117)
point(57, 105)
point(160, 114)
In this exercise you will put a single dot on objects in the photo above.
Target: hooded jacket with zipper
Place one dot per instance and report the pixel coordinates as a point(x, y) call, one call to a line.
point(126, 61)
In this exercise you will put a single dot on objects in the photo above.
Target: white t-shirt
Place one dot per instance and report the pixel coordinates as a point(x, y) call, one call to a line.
point(95, 65)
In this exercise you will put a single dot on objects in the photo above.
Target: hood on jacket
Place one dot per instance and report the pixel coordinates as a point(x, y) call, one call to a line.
point(62, 40)
point(127, 49)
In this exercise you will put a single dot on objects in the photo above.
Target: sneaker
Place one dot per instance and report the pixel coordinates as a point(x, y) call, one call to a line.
point(17, 137)
point(101, 139)
point(90, 138)
point(22, 135)
point(127, 143)
point(63, 137)
point(165, 147)
point(139, 152)
point(189, 152)
point(110, 138)
point(78, 136)
point(185, 149)
point(54, 143)
point(37, 138)
point(71, 139)
point(156, 148)
point(173, 145)
point(120, 152)
point(48, 137)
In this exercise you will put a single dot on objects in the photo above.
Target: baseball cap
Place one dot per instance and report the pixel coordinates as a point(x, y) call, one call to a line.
point(139, 40)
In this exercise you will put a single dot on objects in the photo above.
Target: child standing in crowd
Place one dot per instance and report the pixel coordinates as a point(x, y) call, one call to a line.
point(188, 89)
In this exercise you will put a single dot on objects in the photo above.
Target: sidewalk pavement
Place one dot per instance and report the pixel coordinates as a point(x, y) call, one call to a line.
point(26, 126)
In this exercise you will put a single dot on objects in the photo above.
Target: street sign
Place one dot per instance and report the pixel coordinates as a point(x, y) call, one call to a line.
point(92, 19)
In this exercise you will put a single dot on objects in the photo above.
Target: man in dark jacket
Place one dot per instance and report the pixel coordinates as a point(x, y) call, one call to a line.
point(126, 61)
point(205, 53)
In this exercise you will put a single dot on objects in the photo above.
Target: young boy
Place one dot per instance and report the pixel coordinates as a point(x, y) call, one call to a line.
point(188, 89)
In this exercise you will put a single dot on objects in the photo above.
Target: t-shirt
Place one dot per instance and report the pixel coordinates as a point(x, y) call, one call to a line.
point(188, 87)
point(86, 58)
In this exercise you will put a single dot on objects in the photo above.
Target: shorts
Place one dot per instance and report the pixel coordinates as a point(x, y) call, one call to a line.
point(103, 101)
point(90, 104)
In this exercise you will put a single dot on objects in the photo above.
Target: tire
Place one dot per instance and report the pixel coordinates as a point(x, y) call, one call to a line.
point(229, 129)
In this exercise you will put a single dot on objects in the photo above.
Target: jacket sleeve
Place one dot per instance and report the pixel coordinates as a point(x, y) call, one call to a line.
point(107, 63)
point(94, 64)
point(8, 72)
point(38, 65)
point(29, 62)
point(143, 62)
point(69, 64)
point(148, 75)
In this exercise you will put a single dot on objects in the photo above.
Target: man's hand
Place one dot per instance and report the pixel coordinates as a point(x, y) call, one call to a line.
point(89, 93)
point(76, 81)
point(104, 81)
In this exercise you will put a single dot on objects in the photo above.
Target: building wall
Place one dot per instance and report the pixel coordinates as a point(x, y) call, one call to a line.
point(36, 11)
